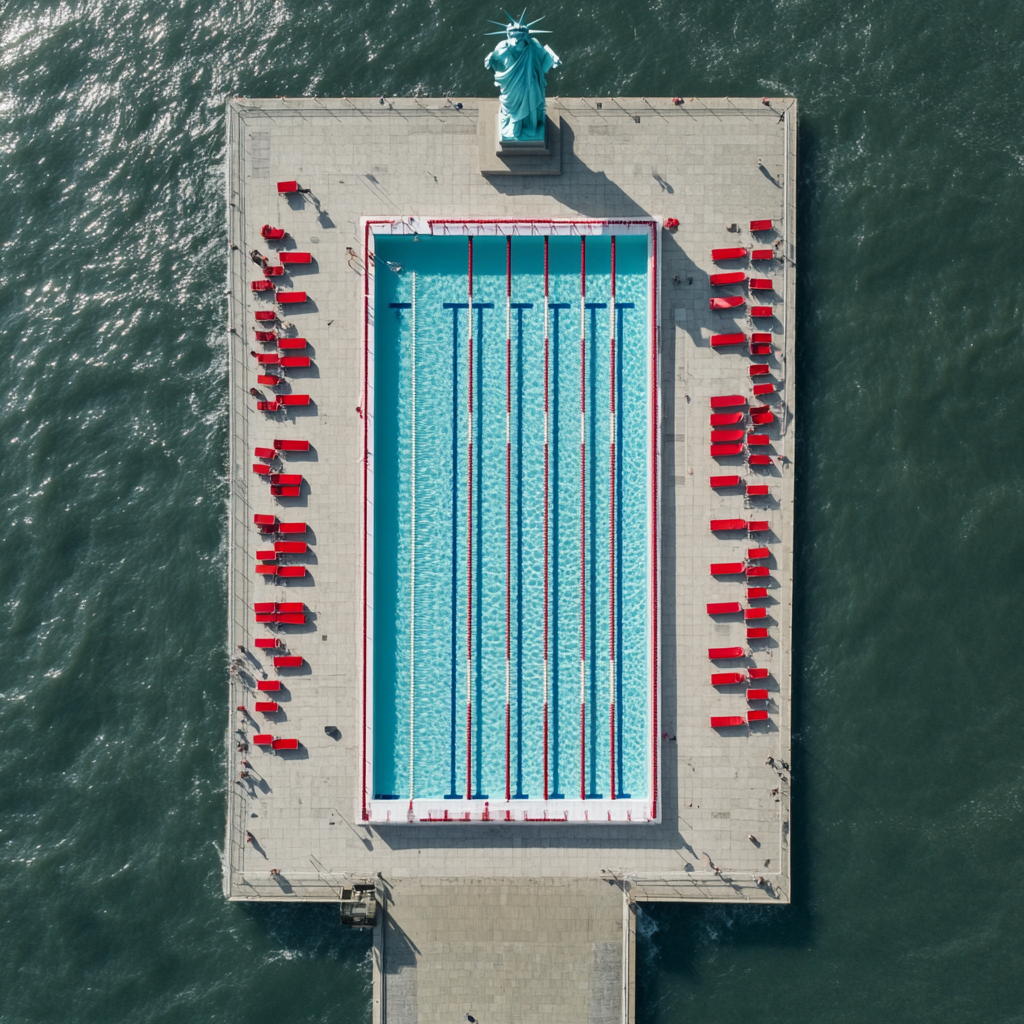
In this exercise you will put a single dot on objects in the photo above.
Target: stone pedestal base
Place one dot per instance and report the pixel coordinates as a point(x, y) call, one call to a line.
point(504, 158)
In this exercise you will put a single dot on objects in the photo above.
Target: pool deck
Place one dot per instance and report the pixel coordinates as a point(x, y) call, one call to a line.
point(565, 889)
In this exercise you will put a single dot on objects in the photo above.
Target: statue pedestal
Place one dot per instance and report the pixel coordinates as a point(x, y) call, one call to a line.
point(500, 157)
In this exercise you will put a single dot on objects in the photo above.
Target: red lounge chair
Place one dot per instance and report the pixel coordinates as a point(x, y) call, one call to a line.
point(266, 570)
point(756, 613)
point(267, 406)
point(285, 491)
point(734, 253)
point(757, 570)
point(265, 453)
point(726, 568)
point(758, 553)
point(267, 358)
point(294, 399)
point(290, 618)
point(722, 436)
point(266, 618)
point(760, 350)
point(292, 479)
point(730, 277)
point(761, 337)
point(270, 271)
point(726, 678)
point(728, 524)
point(757, 593)
point(757, 525)
point(286, 744)
point(265, 315)
point(268, 685)
point(764, 389)
point(757, 694)
point(759, 460)
point(758, 440)
point(266, 336)
point(725, 481)
point(291, 527)
point(288, 344)
point(287, 298)
point(719, 451)
point(727, 302)
point(272, 234)
point(291, 606)
point(725, 419)
point(266, 555)
point(757, 716)
point(261, 468)
point(288, 661)
point(757, 490)
point(762, 419)
point(724, 401)
point(758, 311)
point(266, 642)
point(761, 284)
point(759, 369)
point(724, 653)
point(292, 572)
point(268, 380)
point(262, 285)
point(760, 225)
point(263, 739)
point(722, 340)
point(283, 445)
point(264, 606)
point(261, 520)
point(296, 257)
point(268, 707)
point(283, 187)
point(724, 608)
point(762, 254)
point(726, 721)
point(758, 633)
point(291, 547)
point(291, 362)
point(758, 673)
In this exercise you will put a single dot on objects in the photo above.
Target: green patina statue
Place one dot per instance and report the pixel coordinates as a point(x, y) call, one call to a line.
point(519, 64)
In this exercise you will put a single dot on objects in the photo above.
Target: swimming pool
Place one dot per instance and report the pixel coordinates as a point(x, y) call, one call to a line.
point(511, 521)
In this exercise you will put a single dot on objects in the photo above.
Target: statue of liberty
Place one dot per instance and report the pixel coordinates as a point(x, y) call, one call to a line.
point(519, 63)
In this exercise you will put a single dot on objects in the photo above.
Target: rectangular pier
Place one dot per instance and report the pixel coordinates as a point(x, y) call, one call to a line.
point(510, 923)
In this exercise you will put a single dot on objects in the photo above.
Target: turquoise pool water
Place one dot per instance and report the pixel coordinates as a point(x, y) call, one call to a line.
point(424, 634)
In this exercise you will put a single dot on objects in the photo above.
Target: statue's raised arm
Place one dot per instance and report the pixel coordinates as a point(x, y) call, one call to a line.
point(519, 63)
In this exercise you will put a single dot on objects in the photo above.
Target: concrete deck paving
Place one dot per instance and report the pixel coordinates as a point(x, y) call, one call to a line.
point(711, 163)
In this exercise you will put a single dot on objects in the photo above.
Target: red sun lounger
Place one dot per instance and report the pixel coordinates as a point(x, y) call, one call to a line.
point(272, 271)
point(758, 440)
point(287, 298)
point(266, 336)
point(760, 350)
point(722, 436)
point(294, 399)
point(757, 673)
point(758, 311)
point(724, 340)
point(265, 453)
point(268, 685)
point(292, 362)
point(759, 460)
point(262, 520)
point(263, 739)
point(267, 406)
point(725, 481)
point(288, 661)
point(284, 187)
point(761, 284)
point(759, 255)
point(726, 568)
point(266, 642)
point(261, 469)
point(291, 547)
point(267, 707)
point(719, 451)
point(726, 419)
point(285, 490)
point(283, 445)
point(262, 285)
point(724, 653)
point(267, 358)
point(292, 479)
point(762, 419)
point(724, 608)
point(288, 344)
point(291, 606)
point(757, 593)
point(286, 744)
point(727, 302)
point(296, 257)
point(757, 633)
point(264, 606)
point(727, 678)
point(733, 253)
point(758, 570)
point(729, 277)
point(761, 337)
point(760, 225)
point(758, 553)
point(269, 380)
point(724, 401)
point(266, 555)
point(728, 524)
point(759, 369)
point(291, 527)
point(756, 613)
point(726, 721)
point(290, 618)
point(291, 572)
point(266, 570)
point(757, 490)
point(265, 315)
point(757, 525)
point(272, 234)
point(266, 618)
point(757, 694)
point(764, 389)
point(757, 716)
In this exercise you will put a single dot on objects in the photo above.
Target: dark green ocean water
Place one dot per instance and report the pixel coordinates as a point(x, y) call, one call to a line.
point(908, 823)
